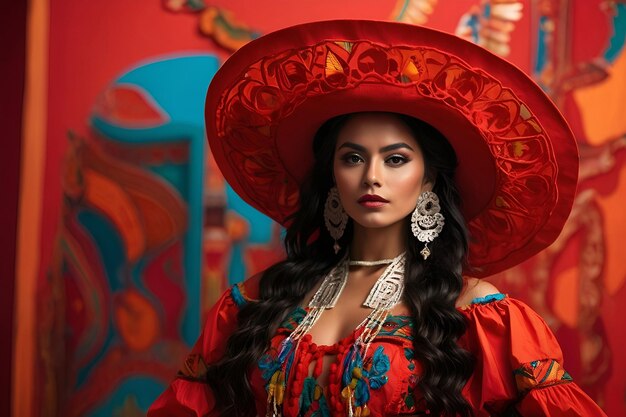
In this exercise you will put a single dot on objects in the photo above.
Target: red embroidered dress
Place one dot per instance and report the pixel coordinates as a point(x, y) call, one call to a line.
point(518, 368)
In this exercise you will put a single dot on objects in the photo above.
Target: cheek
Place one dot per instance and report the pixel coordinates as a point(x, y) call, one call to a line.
point(345, 179)
point(409, 183)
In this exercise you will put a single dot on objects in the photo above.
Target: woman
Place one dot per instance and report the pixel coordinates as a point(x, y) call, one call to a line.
point(370, 313)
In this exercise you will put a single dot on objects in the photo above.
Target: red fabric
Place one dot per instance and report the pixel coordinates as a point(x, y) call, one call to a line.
point(186, 397)
point(503, 335)
point(518, 157)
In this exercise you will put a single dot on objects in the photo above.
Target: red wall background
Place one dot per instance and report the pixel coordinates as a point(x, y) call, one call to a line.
point(90, 43)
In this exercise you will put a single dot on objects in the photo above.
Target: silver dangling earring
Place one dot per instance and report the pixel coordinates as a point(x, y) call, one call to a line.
point(335, 217)
point(427, 221)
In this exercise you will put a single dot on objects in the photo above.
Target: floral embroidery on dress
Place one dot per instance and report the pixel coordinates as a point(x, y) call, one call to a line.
point(312, 398)
point(359, 377)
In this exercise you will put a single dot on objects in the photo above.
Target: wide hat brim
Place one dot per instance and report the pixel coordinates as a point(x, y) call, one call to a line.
point(518, 159)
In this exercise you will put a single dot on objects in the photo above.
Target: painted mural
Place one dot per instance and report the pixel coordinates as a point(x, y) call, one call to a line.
point(149, 234)
point(141, 253)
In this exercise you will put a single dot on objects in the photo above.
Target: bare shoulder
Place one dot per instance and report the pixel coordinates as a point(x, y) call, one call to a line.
point(475, 288)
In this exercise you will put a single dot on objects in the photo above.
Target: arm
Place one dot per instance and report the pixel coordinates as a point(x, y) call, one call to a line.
point(519, 364)
point(189, 394)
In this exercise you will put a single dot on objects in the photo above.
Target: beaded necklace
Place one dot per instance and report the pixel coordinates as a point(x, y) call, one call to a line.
point(384, 295)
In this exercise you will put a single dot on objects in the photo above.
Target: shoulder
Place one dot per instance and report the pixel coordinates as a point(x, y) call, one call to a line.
point(475, 288)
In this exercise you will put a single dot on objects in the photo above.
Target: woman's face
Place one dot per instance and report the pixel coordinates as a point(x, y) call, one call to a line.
point(379, 169)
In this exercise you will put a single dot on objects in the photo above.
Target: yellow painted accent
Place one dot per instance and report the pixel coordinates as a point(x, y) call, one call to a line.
point(32, 167)
point(411, 71)
point(332, 64)
point(501, 202)
point(345, 45)
point(532, 123)
point(317, 394)
point(518, 148)
point(524, 112)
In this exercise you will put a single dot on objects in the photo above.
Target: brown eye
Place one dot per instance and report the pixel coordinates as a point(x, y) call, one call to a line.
point(396, 160)
point(352, 159)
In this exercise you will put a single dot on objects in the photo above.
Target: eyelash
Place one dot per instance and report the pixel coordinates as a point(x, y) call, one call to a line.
point(403, 159)
point(348, 159)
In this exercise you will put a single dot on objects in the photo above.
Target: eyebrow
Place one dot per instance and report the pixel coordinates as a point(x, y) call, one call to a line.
point(387, 148)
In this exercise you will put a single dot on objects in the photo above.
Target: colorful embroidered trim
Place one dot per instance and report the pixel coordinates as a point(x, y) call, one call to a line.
point(540, 374)
point(399, 326)
point(237, 292)
point(488, 298)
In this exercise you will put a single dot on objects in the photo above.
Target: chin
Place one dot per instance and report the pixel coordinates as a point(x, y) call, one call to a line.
point(376, 221)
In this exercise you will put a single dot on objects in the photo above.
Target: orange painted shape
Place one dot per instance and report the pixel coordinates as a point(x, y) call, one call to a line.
point(129, 104)
point(237, 226)
point(160, 226)
point(565, 304)
point(603, 106)
point(111, 199)
point(614, 215)
point(136, 320)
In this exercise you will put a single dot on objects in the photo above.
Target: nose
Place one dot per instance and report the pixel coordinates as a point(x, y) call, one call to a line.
point(371, 176)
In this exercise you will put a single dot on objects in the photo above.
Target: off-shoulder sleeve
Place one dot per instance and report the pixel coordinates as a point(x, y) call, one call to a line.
point(189, 394)
point(519, 364)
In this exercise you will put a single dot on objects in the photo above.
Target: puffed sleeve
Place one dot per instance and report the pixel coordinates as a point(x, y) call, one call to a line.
point(519, 364)
point(189, 394)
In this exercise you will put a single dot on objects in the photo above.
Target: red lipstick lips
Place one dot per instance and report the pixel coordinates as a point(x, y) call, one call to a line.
point(372, 200)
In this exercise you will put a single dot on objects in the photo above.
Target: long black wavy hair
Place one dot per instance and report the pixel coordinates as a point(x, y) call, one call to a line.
point(431, 287)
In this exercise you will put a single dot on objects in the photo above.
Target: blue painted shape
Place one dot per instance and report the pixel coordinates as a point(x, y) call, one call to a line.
point(142, 390)
point(541, 57)
point(473, 23)
point(177, 84)
point(111, 251)
point(487, 11)
point(176, 176)
point(617, 41)
point(261, 232)
point(236, 266)
point(404, 6)
point(109, 243)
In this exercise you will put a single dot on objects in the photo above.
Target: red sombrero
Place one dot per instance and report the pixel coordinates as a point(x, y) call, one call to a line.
point(518, 160)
